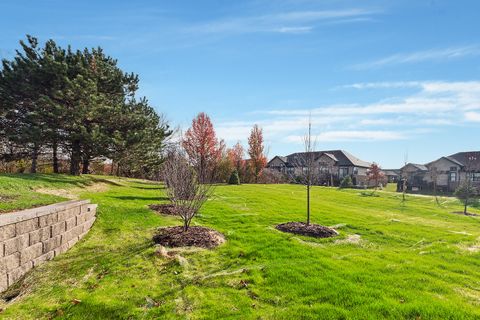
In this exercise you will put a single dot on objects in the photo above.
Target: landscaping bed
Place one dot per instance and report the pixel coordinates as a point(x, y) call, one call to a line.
point(195, 236)
point(311, 230)
point(167, 208)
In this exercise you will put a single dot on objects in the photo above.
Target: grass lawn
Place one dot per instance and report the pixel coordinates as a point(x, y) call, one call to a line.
point(399, 261)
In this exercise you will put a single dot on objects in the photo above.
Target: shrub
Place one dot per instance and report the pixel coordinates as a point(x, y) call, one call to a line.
point(346, 182)
point(466, 194)
point(234, 178)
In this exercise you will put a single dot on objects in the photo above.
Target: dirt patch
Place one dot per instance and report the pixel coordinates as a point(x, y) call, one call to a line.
point(73, 193)
point(194, 236)
point(351, 239)
point(312, 230)
point(470, 214)
point(168, 209)
point(7, 197)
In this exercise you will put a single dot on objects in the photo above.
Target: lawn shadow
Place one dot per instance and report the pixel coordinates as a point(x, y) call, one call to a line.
point(51, 179)
point(140, 198)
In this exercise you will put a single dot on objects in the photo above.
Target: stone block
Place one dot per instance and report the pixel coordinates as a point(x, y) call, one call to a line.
point(26, 226)
point(68, 213)
point(3, 282)
point(9, 262)
point(39, 235)
point(31, 253)
point(88, 224)
point(44, 257)
point(70, 223)
point(16, 244)
point(7, 232)
point(57, 229)
point(61, 249)
point(48, 220)
point(72, 242)
point(52, 244)
point(17, 273)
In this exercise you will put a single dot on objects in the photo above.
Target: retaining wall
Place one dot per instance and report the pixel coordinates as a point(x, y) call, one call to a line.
point(30, 237)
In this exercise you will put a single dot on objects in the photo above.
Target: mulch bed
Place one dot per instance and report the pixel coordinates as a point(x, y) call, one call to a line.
point(466, 214)
point(312, 230)
point(168, 209)
point(194, 236)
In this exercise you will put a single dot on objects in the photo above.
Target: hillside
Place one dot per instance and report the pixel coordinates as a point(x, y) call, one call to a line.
point(391, 260)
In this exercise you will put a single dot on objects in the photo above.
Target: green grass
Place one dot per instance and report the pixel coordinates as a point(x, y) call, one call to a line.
point(411, 261)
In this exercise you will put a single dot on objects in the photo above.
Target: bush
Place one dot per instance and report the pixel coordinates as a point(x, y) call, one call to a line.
point(234, 178)
point(346, 182)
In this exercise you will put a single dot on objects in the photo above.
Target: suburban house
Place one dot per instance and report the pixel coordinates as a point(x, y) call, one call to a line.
point(447, 171)
point(330, 166)
point(392, 175)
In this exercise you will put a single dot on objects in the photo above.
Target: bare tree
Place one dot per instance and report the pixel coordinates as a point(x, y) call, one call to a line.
point(307, 167)
point(433, 173)
point(183, 187)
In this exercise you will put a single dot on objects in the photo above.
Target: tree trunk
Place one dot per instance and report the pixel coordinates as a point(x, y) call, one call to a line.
point(308, 205)
point(34, 159)
point(111, 168)
point(85, 165)
point(465, 208)
point(55, 156)
point(75, 158)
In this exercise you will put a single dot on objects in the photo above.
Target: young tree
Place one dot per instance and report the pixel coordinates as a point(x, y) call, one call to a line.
point(258, 160)
point(466, 191)
point(202, 147)
point(235, 155)
point(466, 194)
point(183, 187)
point(433, 173)
point(375, 174)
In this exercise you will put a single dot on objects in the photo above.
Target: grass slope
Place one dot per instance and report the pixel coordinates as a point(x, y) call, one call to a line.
point(413, 261)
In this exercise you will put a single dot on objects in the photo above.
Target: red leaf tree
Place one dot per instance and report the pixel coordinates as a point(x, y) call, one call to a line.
point(375, 174)
point(235, 155)
point(202, 146)
point(258, 161)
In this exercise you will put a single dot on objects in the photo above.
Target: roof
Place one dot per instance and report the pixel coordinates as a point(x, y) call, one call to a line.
point(469, 158)
point(391, 172)
point(342, 158)
point(418, 166)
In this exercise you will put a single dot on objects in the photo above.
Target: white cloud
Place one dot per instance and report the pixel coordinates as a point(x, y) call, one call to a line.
point(421, 56)
point(431, 106)
point(354, 135)
point(472, 116)
point(287, 22)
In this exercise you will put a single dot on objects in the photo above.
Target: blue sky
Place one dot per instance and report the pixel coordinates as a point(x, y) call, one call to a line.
point(380, 78)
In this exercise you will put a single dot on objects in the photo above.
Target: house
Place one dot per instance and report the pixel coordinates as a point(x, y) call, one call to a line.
point(330, 166)
point(448, 172)
point(392, 175)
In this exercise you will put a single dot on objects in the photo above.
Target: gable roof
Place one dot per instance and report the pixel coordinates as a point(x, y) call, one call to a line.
point(418, 166)
point(471, 158)
point(342, 158)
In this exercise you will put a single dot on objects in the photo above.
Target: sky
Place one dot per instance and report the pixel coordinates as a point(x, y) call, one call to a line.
point(386, 80)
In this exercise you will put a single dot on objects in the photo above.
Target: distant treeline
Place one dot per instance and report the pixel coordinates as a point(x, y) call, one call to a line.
point(74, 107)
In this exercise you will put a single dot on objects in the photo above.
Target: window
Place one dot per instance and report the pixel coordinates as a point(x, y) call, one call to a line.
point(453, 176)
point(453, 168)
point(342, 172)
point(355, 170)
point(475, 176)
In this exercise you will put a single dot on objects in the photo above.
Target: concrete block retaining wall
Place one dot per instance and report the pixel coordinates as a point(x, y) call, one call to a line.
point(30, 237)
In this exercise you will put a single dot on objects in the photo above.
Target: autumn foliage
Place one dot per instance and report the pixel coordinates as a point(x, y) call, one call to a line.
point(202, 147)
point(375, 174)
point(258, 160)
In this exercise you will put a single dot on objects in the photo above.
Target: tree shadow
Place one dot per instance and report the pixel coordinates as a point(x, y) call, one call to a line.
point(140, 198)
point(52, 178)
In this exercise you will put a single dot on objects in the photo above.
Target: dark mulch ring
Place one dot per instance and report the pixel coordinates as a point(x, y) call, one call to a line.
point(194, 236)
point(164, 208)
point(312, 230)
point(466, 214)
